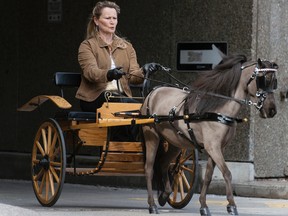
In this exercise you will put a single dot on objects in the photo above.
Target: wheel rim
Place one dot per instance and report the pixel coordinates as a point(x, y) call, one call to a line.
point(48, 163)
point(185, 176)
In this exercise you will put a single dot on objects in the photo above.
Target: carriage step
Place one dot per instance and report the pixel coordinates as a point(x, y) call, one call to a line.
point(117, 158)
point(124, 157)
point(125, 147)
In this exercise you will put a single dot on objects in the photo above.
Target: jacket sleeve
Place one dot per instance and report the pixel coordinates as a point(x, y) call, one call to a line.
point(135, 75)
point(89, 65)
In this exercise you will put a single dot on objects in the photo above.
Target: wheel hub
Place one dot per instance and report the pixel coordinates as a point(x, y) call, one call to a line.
point(45, 162)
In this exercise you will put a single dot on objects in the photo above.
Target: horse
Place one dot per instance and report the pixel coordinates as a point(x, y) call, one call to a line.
point(205, 116)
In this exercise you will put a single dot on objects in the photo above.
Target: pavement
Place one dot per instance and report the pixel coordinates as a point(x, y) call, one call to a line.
point(17, 198)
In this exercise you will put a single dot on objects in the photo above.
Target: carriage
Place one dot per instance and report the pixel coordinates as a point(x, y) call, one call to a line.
point(185, 120)
point(61, 144)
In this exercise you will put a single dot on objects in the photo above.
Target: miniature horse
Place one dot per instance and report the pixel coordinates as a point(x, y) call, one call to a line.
point(205, 117)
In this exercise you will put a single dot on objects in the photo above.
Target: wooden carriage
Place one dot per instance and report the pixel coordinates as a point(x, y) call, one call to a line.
point(63, 145)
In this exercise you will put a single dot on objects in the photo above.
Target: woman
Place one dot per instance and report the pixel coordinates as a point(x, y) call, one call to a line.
point(108, 62)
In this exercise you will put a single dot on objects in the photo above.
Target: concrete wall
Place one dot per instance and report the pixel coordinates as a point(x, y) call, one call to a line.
point(33, 49)
point(270, 41)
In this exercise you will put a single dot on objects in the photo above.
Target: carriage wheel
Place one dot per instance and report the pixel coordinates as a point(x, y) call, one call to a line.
point(48, 163)
point(184, 177)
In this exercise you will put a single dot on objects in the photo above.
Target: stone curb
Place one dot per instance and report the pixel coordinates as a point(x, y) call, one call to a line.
point(275, 189)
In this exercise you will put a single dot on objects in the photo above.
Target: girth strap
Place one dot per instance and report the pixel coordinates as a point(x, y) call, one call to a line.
point(190, 130)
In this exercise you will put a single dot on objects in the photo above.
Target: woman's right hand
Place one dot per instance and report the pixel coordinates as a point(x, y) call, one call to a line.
point(151, 67)
point(115, 74)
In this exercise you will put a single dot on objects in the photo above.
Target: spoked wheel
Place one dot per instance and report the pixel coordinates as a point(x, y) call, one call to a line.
point(48, 163)
point(184, 178)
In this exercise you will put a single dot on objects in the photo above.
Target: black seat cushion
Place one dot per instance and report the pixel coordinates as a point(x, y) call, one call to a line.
point(76, 116)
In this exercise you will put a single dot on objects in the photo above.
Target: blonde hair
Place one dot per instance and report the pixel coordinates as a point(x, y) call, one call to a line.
point(96, 12)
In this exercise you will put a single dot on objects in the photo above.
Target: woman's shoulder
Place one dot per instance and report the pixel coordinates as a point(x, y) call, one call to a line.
point(123, 42)
point(91, 43)
point(87, 41)
point(91, 40)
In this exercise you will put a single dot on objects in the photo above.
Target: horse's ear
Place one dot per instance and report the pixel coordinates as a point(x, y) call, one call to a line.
point(274, 65)
point(259, 63)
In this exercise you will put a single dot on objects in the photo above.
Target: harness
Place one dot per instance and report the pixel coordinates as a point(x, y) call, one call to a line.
point(192, 117)
point(263, 87)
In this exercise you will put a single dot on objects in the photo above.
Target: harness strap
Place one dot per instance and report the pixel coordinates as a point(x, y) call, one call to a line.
point(171, 117)
point(194, 117)
point(190, 130)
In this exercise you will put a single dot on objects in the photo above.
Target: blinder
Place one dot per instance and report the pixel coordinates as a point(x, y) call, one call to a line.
point(267, 81)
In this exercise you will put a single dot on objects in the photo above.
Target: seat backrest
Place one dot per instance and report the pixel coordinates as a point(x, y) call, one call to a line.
point(72, 79)
point(67, 79)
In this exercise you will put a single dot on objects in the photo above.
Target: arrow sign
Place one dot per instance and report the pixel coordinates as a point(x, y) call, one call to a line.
point(200, 56)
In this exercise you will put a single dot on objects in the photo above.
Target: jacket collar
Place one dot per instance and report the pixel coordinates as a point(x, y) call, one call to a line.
point(117, 42)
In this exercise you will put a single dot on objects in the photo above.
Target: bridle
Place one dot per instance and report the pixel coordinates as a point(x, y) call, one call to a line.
point(263, 84)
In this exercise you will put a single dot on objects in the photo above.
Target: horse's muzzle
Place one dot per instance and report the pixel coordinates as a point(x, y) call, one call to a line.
point(271, 112)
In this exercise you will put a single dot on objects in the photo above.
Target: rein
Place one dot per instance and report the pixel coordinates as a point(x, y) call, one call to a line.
point(187, 88)
point(261, 95)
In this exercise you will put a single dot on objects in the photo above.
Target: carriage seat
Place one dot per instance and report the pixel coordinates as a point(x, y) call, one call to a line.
point(71, 79)
point(76, 116)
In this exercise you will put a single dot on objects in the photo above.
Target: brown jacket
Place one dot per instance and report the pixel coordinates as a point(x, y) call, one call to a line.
point(94, 60)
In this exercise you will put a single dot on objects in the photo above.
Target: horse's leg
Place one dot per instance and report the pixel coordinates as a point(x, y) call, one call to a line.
point(217, 156)
point(165, 162)
point(204, 210)
point(151, 143)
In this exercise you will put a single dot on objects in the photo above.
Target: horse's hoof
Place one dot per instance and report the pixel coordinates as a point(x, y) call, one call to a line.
point(232, 210)
point(205, 211)
point(153, 209)
point(162, 199)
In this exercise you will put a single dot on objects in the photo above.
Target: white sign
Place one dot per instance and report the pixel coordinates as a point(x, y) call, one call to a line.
point(213, 56)
point(200, 56)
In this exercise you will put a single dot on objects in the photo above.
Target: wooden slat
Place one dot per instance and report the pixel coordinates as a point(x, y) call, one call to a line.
point(122, 172)
point(139, 173)
point(109, 172)
point(93, 137)
point(124, 165)
point(107, 109)
point(113, 122)
point(127, 157)
point(126, 146)
point(122, 158)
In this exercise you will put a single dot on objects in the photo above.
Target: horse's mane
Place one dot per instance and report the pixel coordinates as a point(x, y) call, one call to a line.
point(222, 80)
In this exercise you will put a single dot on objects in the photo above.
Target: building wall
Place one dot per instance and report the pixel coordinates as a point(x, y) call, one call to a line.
point(270, 41)
point(33, 49)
